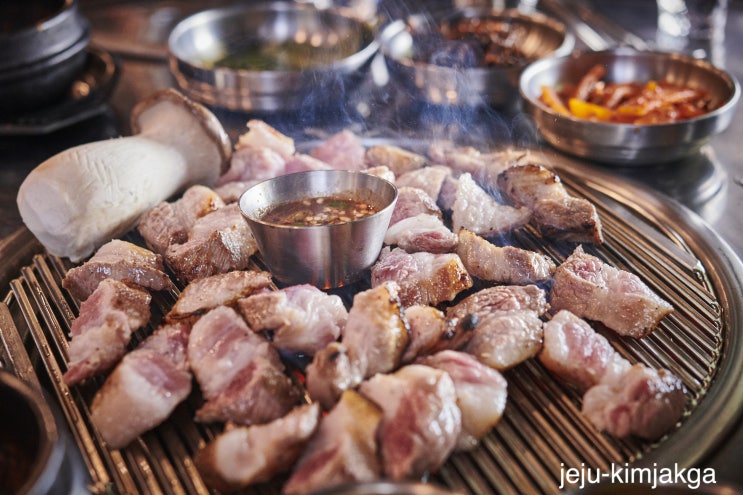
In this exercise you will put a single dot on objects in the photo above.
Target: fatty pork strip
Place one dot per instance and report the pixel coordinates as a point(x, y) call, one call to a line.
point(342, 151)
point(299, 319)
point(119, 260)
point(218, 242)
point(620, 398)
point(503, 265)
point(423, 278)
point(412, 201)
point(168, 223)
point(477, 211)
point(240, 374)
point(398, 160)
point(555, 213)
point(429, 327)
point(246, 455)
point(102, 331)
point(592, 289)
point(343, 449)
point(428, 179)
point(421, 233)
point(421, 421)
point(204, 294)
point(483, 166)
point(145, 387)
point(481, 393)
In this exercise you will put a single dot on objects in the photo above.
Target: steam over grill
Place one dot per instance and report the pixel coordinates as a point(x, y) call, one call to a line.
point(542, 429)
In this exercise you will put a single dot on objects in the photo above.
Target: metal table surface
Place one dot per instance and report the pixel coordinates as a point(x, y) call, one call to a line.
point(710, 184)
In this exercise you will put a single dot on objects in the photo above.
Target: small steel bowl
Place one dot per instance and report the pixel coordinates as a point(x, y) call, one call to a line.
point(326, 256)
point(629, 144)
point(401, 40)
point(343, 47)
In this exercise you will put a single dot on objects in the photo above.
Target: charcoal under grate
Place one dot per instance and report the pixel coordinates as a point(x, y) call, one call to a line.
point(542, 430)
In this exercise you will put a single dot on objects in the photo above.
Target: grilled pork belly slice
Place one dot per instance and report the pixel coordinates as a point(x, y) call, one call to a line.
point(249, 163)
point(504, 340)
point(207, 293)
point(448, 193)
point(594, 290)
point(302, 162)
point(641, 401)
point(423, 278)
point(398, 160)
point(428, 179)
point(422, 233)
point(262, 135)
point(499, 299)
point(376, 331)
point(145, 387)
point(381, 171)
point(342, 151)
point(504, 265)
point(481, 393)
point(333, 371)
point(555, 213)
point(422, 422)
point(429, 326)
point(343, 449)
point(217, 243)
point(412, 201)
point(299, 319)
point(483, 166)
point(168, 223)
point(477, 211)
point(246, 455)
point(231, 192)
point(577, 353)
point(119, 260)
point(103, 329)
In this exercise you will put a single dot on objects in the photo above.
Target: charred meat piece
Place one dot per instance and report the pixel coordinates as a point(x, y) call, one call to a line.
point(481, 393)
point(103, 329)
point(429, 326)
point(376, 332)
point(555, 213)
point(423, 278)
point(422, 421)
point(641, 401)
point(504, 265)
point(168, 223)
point(246, 455)
point(398, 160)
point(412, 201)
point(223, 289)
point(499, 299)
point(592, 289)
point(119, 260)
point(577, 353)
point(299, 319)
point(333, 371)
point(342, 151)
point(217, 243)
point(422, 233)
point(477, 211)
point(503, 340)
point(343, 450)
point(145, 387)
point(428, 179)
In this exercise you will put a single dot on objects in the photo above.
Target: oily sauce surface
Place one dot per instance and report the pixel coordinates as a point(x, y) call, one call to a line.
point(322, 210)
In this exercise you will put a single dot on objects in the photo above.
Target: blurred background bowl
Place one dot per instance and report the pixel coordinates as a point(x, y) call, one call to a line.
point(629, 144)
point(326, 256)
point(275, 56)
point(420, 54)
point(42, 50)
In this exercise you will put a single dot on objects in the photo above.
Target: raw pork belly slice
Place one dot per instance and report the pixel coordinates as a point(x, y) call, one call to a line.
point(120, 260)
point(477, 211)
point(223, 289)
point(554, 212)
point(423, 278)
point(397, 159)
point(376, 331)
point(246, 455)
point(300, 318)
point(343, 449)
point(592, 289)
point(342, 151)
point(169, 223)
point(217, 243)
point(144, 388)
point(620, 398)
point(499, 299)
point(577, 353)
point(422, 233)
point(481, 393)
point(429, 179)
point(412, 201)
point(103, 329)
point(422, 421)
point(504, 265)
